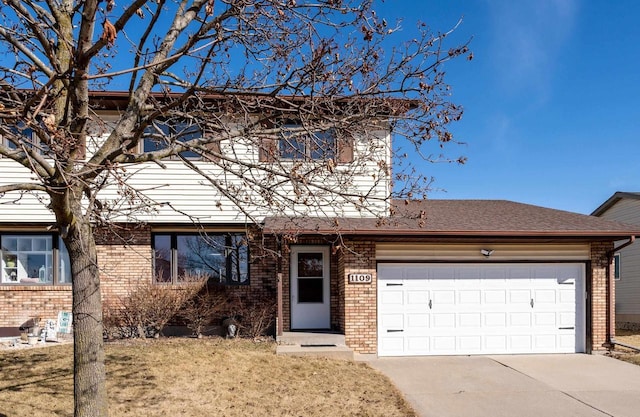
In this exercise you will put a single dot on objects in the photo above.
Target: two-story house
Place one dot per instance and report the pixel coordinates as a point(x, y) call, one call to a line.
point(396, 278)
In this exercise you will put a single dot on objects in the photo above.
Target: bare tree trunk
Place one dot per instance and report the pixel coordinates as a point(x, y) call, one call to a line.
point(89, 385)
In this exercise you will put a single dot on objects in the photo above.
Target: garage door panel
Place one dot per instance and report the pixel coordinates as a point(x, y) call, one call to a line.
point(471, 344)
point(472, 320)
point(521, 297)
point(520, 343)
point(444, 344)
point(469, 296)
point(520, 319)
point(567, 296)
point(545, 342)
point(545, 319)
point(392, 321)
point(495, 319)
point(495, 296)
point(417, 298)
point(495, 343)
point(393, 345)
point(445, 320)
point(389, 298)
point(444, 297)
point(479, 308)
point(417, 321)
point(544, 296)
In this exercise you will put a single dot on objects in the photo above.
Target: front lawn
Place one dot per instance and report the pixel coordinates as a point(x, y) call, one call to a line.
point(631, 338)
point(205, 377)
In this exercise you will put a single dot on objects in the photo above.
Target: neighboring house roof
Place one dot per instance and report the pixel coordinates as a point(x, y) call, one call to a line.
point(464, 218)
point(613, 200)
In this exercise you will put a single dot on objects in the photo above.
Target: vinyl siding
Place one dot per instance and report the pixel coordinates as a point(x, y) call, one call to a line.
point(471, 252)
point(178, 194)
point(628, 287)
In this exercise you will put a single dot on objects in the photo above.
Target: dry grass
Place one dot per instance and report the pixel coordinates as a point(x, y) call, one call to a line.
point(191, 377)
point(628, 337)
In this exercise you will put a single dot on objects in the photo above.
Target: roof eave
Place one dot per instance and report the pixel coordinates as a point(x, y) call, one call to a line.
point(611, 201)
point(582, 235)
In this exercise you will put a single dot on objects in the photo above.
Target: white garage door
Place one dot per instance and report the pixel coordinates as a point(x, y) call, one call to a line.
point(455, 309)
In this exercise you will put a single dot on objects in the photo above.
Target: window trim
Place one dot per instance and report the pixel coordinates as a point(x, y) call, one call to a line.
point(193, 155)
point(617, 257)
point(56, 258)
point(270, 148)
point(174, 275)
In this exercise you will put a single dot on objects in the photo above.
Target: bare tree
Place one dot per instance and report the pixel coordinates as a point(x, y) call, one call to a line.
point(213, 79)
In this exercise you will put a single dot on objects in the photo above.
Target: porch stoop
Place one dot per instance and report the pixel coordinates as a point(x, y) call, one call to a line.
point(328, 345)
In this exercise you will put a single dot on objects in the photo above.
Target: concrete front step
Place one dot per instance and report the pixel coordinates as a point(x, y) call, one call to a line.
point(329, 345)
point(332, 352)
point(311, 338)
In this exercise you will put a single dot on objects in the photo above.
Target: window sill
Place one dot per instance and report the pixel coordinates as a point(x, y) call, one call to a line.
point(19, 286)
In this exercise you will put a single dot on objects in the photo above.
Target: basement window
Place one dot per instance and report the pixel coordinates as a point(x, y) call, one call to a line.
point(221, 258)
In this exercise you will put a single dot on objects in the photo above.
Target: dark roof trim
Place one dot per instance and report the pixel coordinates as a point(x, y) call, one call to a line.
point(388, 106)
point(524, 235)
point(619, 195)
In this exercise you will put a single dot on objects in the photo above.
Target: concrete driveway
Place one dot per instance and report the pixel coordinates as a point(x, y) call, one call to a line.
point(518, 385)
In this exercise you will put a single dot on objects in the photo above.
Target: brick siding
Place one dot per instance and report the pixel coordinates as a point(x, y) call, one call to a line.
point(360, 305)
point(600, 314)
point(353, 306)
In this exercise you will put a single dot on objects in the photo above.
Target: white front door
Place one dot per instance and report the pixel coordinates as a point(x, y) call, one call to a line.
point(310, 307)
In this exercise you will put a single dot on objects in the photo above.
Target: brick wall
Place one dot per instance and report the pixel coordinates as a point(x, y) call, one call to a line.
point(600, 314)
point(21, 303)
point(360, 305)
point(121, 269)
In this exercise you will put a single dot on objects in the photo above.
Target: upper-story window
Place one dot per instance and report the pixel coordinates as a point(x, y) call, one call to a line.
point(161, 133)
point(34, 259)
point(316, 145)
point(217, 257)
point(23, 136)
point(296, 143)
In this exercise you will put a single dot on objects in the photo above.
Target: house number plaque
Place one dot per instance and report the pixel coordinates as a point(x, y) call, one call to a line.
point(360, 278)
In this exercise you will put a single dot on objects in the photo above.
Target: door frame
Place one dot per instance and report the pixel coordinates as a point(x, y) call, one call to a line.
point(310, 315)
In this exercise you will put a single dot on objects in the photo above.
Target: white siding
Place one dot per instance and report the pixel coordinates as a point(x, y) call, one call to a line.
point(471, 252)
point(179, 194)
point(21, 207)
point(628, 287)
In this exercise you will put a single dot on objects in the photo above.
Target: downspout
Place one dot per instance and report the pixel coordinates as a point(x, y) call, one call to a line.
point(279, 323)
point(611, 342)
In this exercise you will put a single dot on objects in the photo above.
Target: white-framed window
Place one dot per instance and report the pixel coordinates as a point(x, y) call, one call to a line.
point(30, 259)
point(217, 257)
point(616, 266)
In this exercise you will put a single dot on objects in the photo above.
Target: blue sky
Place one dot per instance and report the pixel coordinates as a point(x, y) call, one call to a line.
point(551, 99)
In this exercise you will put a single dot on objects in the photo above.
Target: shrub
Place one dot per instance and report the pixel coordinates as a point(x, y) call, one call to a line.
point(254, 317)
point(203, 308)
point(147, 309)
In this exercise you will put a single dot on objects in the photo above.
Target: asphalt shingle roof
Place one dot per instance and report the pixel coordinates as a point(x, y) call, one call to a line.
point(466, 218)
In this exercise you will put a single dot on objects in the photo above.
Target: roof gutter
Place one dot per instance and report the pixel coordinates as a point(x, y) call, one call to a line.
point(611, 313)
